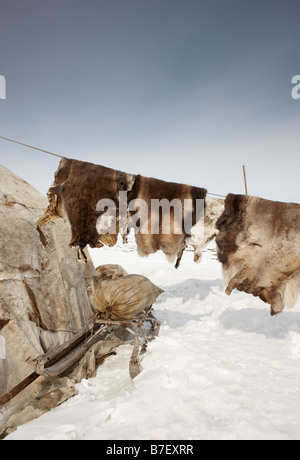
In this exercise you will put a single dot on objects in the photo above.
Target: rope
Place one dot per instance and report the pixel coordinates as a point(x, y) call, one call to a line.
point(30, 146)
point(216, 194)
point(59, 156)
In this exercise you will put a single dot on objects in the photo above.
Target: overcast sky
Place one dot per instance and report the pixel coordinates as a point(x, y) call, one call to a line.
point(182, 90)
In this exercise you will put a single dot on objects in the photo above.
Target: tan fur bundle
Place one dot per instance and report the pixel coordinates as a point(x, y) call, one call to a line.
point(110, 271)
point(109, 239)
point(123, 298)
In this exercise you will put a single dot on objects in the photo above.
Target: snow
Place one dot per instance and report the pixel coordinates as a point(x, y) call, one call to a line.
point(221, 368)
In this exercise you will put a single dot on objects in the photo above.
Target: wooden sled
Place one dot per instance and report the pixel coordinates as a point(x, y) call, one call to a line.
point(60, 359)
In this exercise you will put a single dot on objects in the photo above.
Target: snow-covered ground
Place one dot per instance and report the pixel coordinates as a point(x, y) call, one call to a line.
point(221, 368)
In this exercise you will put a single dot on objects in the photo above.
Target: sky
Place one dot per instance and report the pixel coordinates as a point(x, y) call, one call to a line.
point(187, 91)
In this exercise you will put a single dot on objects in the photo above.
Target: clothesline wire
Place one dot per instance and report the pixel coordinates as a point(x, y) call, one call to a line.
point(31, 147)
point(216, 194)
point(60, 156)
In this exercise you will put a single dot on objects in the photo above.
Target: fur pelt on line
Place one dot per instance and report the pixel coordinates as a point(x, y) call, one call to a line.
point(258, 245)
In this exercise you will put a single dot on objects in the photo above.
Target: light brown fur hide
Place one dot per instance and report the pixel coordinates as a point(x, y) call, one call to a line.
point(259, 247)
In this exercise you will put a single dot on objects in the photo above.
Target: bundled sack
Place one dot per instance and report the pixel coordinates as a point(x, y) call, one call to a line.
point(123, 298)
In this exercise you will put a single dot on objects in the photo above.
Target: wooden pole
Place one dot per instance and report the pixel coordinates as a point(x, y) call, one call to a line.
point(17, 389)
point(245, 180)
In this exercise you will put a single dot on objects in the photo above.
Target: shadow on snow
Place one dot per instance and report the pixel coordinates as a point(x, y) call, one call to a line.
point(260, 321)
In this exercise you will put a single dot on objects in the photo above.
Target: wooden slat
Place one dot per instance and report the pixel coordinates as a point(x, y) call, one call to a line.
point(75, 354)
point(48, 359)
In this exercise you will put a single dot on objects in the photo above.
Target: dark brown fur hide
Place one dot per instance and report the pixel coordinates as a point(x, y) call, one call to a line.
point(259, 247)
point(77, 188)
